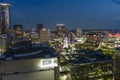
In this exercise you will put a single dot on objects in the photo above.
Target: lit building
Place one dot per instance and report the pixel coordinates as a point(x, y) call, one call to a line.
point(65, 42)
point(87, 65)
point(115, 39)
point(34, 36)
point(49, 34)
point(60, 30)
point(18, 31)
point(94, 36)
point(5, 29)
point(78, 33)
point(3, 44)
point(35, 62)
point(44, 35)
point(5, 18)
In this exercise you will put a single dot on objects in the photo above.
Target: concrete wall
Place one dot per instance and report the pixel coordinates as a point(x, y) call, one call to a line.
point(42, 75)
point(28, 69)
point(19, 65)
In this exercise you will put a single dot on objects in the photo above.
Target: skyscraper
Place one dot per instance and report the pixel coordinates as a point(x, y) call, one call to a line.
point(78, 32)
point(18, 31)
point(39, 27)
point(5, 36)
point(44, 35)
point(5, 18)
point(60, 30)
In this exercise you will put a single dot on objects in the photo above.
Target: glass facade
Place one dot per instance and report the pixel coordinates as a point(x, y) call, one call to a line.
point(18, 31)
point(5, 18)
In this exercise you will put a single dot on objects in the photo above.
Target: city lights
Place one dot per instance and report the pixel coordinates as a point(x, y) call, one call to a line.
point(84, 52)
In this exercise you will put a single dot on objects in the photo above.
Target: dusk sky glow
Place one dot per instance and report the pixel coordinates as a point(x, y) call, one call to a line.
point(85, 14)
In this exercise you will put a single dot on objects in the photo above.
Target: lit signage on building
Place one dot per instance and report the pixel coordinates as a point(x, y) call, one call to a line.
point(48, 63)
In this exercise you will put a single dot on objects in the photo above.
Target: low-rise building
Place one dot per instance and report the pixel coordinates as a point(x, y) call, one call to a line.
point(88, 65)
point(36, 62)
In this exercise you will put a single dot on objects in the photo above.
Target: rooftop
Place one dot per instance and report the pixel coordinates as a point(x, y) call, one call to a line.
point(86, 56)
point(35, 51)
point(4, 4)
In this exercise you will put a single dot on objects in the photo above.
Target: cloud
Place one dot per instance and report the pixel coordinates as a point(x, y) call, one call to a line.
point(116, 1)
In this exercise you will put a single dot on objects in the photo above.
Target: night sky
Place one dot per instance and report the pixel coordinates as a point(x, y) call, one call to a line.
point(85, 14)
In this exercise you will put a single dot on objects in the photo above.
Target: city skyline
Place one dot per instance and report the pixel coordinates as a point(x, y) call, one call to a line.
point(85, 14)
point(91, 52)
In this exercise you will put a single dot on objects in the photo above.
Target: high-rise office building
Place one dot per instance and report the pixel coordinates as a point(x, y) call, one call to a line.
point(18, 31)
point(5, 18)
point(44, 35)
point(60, 27)
point(60, 30)
point(39, 27)
point(5, 30)
point(78, 32)
point(2, 44)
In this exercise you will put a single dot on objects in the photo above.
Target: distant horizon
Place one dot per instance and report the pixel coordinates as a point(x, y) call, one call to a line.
point(84, 14)
point(66, 27)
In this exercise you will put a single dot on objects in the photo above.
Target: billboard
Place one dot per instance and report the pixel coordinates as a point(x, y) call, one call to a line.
point(48, 63)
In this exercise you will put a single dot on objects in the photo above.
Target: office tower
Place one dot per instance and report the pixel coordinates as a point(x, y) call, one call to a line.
point(49, 34)
point(44, 35)
point(106, 36)
point(60, 30)
point(5, 34)
point(78, 32)
point(3, 44)
point(39, 27)
point(18, 31)
point(34, 36)
point(5, 18)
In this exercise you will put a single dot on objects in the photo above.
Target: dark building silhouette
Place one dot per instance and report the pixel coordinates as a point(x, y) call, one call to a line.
point(39, 27)
point(117, 64)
